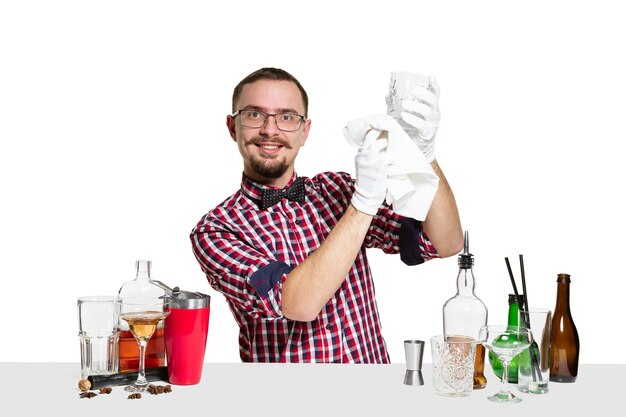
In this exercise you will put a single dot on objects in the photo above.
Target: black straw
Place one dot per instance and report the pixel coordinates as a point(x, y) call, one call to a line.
point(521, 265)
point(508, 266)
point(533, 355)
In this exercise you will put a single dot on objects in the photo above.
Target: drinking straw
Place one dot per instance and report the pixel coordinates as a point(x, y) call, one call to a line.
point(525, 301)
point(508, 266)
point(533, 358)
point(533, 355)
point(521, 266)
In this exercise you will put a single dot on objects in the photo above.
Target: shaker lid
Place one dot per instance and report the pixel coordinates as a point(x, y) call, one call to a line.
point(189, 300)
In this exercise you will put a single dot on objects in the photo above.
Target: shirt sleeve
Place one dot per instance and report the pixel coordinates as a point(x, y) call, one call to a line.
point(247, 278)
point(396, 234)
point(414, 245)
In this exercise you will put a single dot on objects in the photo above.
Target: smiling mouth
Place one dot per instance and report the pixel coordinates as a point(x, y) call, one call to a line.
point(268, 147)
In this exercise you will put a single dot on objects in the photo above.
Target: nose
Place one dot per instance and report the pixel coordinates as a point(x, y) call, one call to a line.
point(269, 128)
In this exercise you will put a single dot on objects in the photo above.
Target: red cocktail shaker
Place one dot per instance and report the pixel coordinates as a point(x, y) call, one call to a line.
point(186, 330)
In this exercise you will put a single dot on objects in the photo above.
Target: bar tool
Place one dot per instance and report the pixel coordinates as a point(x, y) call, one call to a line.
point(414, 353)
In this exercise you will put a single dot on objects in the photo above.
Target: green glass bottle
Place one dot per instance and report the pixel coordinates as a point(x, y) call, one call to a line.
point(513, 320)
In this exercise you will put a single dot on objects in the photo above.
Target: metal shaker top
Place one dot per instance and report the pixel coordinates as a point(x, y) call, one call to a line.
point(188, 299)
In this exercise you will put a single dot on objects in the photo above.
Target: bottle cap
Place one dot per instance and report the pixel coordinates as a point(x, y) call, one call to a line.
point(466, 259)
point(513, 299)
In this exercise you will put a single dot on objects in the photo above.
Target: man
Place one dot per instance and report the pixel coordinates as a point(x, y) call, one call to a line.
point(293, 266)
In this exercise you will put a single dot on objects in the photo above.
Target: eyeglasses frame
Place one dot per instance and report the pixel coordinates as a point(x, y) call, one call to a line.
point(267, 116)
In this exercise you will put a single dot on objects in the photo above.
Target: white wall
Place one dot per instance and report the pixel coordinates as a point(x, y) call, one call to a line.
point(112, 122)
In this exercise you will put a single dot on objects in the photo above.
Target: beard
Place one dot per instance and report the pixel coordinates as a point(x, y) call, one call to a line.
point(268, 168)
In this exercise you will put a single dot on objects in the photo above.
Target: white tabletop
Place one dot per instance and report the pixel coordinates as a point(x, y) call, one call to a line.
point(300, 390)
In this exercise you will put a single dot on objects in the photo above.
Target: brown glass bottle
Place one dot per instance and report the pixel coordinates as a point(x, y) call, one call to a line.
point(564, 343)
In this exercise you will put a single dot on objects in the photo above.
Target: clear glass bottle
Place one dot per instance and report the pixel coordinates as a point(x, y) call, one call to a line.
point(141, 286)
point(564, 342)
point(513, 320)
point(464, 314)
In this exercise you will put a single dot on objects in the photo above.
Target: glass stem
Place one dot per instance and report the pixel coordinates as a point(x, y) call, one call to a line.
point(504, 387)
point(141, 375)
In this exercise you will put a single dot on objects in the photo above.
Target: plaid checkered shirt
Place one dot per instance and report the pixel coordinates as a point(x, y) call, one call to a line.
point(246, 254)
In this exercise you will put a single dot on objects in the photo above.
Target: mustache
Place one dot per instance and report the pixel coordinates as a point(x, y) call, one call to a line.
point(277, 141)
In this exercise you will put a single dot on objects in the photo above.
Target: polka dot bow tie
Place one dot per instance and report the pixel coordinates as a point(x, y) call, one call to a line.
point(295, 192)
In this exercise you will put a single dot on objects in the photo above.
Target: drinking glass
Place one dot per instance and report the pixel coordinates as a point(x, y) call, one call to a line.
point(534, 363)
point(453, 364)
point(98, 327)
point(505, 342)
point(142, 314)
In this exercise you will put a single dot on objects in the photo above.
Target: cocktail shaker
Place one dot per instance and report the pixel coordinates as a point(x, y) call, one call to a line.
point(186, 331)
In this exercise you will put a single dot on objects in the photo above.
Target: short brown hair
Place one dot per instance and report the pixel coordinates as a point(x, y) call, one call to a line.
point(268, 73)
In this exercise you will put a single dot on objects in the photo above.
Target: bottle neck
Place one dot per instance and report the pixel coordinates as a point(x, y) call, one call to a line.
point(513, 314)
point(562, 297)
point(143, 270)
point(465, 281)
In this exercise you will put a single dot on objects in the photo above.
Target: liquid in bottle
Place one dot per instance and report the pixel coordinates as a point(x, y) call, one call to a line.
point(141, 286)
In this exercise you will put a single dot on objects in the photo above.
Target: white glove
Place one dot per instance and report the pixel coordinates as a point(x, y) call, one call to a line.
point(370, 186)
point(422, 113)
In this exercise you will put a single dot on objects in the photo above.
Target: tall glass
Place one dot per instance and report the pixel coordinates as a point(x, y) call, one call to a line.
point(505, 342)
point(98, 330)
point(142, 314)
point(534, 363)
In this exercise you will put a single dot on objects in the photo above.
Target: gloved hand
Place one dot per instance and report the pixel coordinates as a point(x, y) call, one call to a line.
point(370, 186)
point(422, 114)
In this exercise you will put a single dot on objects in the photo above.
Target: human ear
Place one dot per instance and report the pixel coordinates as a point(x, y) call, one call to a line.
point(232, 127)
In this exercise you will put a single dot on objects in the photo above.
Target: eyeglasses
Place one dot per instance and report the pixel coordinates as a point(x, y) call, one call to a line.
point(287, 122)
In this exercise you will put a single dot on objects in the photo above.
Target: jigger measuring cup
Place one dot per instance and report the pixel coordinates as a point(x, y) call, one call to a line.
point(413, 353)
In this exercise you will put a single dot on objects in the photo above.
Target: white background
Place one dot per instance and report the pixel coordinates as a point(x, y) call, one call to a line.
point(113, 145)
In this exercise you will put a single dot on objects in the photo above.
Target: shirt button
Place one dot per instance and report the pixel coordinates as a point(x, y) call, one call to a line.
point(330, 326)
point(297, 221)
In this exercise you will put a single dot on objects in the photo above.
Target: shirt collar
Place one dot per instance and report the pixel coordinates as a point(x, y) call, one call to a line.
point(254, 190)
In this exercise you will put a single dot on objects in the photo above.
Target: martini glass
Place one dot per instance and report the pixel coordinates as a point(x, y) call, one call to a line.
point(142, 314)
point(505, 342)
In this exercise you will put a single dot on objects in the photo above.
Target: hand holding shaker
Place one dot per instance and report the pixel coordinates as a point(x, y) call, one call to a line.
point(186, 331)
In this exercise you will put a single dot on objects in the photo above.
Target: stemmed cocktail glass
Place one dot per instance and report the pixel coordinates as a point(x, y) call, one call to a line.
point(505, 342)
point(142, 314)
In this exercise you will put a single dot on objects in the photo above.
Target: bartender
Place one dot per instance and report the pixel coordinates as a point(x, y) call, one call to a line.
point(289, 252)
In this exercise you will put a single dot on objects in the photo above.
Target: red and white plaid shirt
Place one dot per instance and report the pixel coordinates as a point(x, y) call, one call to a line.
point(246, 254)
